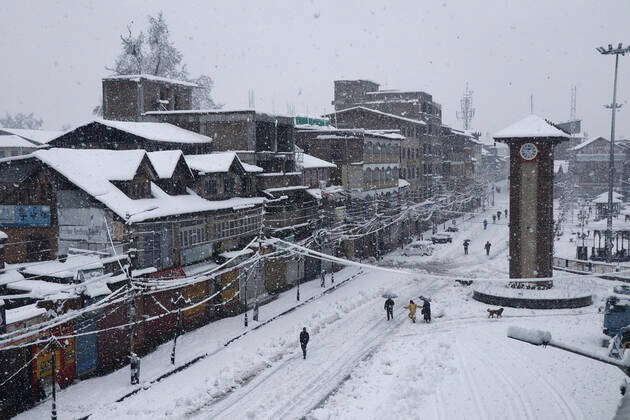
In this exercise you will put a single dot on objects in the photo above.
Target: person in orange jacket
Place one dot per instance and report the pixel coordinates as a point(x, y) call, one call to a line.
point(412, 307)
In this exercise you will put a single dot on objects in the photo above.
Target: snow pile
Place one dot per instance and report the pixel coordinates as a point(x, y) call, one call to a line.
point(536, 337)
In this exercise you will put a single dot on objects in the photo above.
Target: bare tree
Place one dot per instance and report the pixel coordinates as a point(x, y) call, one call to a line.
point(21, 120)
point(155, 54)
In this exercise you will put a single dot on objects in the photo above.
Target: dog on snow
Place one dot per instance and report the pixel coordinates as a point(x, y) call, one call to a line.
point(495, 313)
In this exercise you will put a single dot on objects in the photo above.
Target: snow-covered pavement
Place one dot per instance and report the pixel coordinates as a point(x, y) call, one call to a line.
point(360, 366)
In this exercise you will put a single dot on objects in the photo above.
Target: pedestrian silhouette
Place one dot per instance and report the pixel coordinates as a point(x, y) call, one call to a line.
point(487, 246)
point(389, 308)
point(304, 337)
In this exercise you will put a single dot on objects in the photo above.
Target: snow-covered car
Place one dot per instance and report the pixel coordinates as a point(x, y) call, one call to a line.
point(418, 248)
point(452, 229)
point(441, 238)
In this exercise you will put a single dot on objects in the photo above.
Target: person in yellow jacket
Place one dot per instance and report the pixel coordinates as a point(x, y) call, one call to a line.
point(412, 307)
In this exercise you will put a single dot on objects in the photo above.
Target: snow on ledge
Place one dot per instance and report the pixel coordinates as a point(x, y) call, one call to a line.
point(536, 337)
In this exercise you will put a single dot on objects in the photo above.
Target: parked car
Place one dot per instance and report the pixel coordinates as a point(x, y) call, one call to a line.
point(452, 229)
point(418, 248)
point(441, 238)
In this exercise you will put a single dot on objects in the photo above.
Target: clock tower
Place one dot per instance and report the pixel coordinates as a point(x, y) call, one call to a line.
point(531, 142)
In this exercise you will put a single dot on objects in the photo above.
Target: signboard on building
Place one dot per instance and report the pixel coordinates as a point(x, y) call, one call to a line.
point(24, 216)
point(82, 228)
point(323, 122)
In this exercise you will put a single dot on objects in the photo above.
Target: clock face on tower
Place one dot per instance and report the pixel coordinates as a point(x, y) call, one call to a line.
point(529, 151)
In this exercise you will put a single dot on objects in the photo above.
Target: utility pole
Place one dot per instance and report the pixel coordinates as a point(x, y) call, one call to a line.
point(134, 363)
point(620, 50)
point(54, 346)
point(178, 328)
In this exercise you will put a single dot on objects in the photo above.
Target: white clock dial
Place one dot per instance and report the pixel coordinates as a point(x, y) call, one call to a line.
point(529, 151)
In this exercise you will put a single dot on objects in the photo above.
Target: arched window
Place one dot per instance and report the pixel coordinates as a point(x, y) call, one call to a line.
point(367, 177)
point(369, 150)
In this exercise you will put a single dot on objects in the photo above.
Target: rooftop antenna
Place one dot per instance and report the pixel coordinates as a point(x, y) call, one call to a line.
point(467, 110)
point(572, 112)
point(531, 103)
point(251, 99)
point(573, 108)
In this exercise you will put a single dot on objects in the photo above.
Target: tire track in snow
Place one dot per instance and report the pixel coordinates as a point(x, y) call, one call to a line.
point(510, 386)
point(305, 393)
point(569, 408)
point(462, 363)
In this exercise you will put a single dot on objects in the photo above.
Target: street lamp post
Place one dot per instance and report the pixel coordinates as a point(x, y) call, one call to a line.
point(620, 50)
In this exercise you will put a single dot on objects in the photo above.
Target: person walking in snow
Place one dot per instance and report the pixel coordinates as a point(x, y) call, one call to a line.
point(506, 213)
point(466, 243)
point(485, 224)
point(487, 246)
point(494, 218)
point(389, 308)
point(498, 214)
point(304, 337)
point(426, 311)
point(412, 307)
point(323, 277)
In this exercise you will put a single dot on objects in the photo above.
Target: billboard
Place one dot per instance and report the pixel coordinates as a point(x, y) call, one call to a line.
point(24, 216)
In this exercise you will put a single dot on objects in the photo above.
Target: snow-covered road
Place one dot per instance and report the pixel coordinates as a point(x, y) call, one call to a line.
point(295, 386)
point(360, 366)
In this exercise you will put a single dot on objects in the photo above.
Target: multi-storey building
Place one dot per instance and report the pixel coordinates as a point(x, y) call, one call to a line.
point(433, 156)
point(590, 166)
point(127, 97)
point(368, 161)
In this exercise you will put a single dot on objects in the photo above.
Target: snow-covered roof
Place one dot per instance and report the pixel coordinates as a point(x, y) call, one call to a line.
point(375, 111)
point(11, 140)
point(3, 235)
point(93, 169)
point(388, 134)
point(66, 269)
point(589, 141)
point(217, 162)
point(138, 77)
point(38, 136)
point(156, 131)
point(163, 205)
point(603, 198)
point(165, 162)
point(531, 126)
point(311, 162)
point(23, 312)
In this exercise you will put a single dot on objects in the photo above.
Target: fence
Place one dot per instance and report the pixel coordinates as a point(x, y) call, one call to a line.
point(589, 267)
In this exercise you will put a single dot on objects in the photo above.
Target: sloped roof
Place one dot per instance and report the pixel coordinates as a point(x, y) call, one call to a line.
point(217, 162)
point(165, 162)
point(138, 77)
point(603, 198)
point(38, 136)
point(531, 126)
point(163, 132)
point(11, 140)
point(375, 111)
point(93, 170)
point(311, 162)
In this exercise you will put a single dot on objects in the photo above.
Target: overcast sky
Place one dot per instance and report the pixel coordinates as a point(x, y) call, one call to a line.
point(54, 53)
